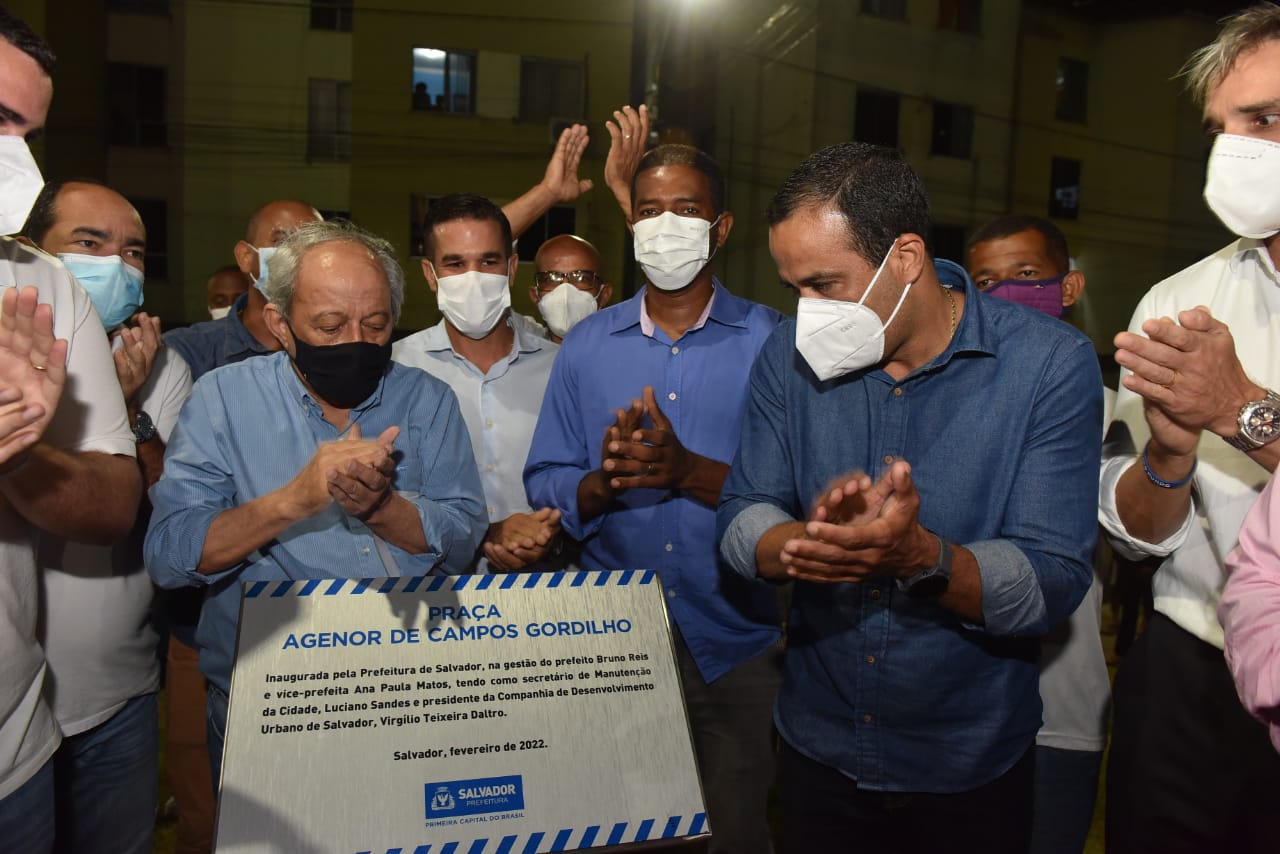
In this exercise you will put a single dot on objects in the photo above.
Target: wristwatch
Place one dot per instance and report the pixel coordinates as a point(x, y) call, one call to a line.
point(1259, 423)
point(144, 430)
point(932, 582)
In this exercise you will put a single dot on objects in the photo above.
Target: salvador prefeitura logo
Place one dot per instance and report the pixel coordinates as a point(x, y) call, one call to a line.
point(453, 798)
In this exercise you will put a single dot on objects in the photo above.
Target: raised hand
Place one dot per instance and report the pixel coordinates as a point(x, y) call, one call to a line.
point(33, 372)
point(628, 137)
point(137, 354)
point(561, 178)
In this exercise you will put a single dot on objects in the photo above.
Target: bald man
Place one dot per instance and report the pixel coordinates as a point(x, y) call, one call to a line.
point(568, 283)
point(243, 332)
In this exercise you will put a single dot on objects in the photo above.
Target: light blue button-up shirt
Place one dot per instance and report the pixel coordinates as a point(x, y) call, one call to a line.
point(247, 430)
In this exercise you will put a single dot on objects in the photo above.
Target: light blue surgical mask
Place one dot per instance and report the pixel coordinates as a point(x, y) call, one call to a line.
point(264, 255)
point(114, 286)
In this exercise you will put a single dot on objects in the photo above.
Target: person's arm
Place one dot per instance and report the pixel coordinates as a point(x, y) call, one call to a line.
point(1250, 611)
point(87, 496)
point(559, 185)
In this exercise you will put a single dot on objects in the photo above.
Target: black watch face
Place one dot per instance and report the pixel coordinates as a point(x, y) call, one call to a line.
point(1263, 423)
point(930, 587)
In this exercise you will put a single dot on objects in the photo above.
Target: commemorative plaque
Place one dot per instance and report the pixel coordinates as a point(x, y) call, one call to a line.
point(491, 714)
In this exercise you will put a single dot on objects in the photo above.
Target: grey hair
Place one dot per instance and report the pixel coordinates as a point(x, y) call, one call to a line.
point(1241, 33)
point(282, 267)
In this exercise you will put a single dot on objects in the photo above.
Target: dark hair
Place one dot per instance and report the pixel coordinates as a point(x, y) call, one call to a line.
point(1055, 242)
point(878, 193)
point(43, 213)
point(673, 154)
point(18, 34)
point(465, 206)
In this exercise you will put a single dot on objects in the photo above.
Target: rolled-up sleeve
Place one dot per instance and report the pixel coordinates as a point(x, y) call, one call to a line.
point(196, 487)
point(759, 492)
point(1121, 540)
point(1250, 612)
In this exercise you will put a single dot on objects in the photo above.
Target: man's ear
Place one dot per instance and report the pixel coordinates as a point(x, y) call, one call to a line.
point(513, 264)
point(533, 294)
point(606, 294)
point(246, 259)
point(278, 327)
point(429, 273)
point(912, 255)
point(1072, 287)
point(723, 228)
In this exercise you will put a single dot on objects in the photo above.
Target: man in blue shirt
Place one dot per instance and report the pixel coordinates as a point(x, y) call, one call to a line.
point(924, 469)
point(639, 420)
point(269, 474)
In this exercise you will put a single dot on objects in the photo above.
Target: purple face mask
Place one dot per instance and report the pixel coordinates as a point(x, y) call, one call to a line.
point(1044, 295)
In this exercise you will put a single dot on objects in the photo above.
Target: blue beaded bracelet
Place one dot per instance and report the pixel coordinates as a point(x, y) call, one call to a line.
point(1158, 480)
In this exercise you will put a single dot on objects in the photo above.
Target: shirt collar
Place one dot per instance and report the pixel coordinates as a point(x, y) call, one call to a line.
point(973, 332)
point(722, 308)
point(1251, 250)
point(436, 339)
point(238, 337)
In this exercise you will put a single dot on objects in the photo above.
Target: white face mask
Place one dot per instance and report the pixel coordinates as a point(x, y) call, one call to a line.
point(473, 301)
point(837, 337)
point(672, 249)
point(564, 307)
point(20, 183)
point(1240, 187)
point(219, 313)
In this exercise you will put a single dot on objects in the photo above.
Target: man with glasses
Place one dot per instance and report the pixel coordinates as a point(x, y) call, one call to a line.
point(496, 367)
point(569, 286)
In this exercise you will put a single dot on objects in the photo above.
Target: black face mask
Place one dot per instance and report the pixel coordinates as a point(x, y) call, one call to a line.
point(343, 375)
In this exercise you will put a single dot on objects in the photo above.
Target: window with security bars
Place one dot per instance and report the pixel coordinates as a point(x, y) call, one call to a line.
point(444, 80)
point(136, 105)
point(329, 120)
point(333, 15)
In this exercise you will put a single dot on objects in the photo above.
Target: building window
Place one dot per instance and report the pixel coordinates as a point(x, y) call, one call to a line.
point(549, 89)
point(331, 15)
point(895, 10)
point(952, 130)
point(136, 97)
point(562, 219)
point(961, 16)
point(875, 118)
point(155, 218)
point(444, 80)
point(139, 7)
point(1064, 188)
point(1072, 103)
point(329, 120)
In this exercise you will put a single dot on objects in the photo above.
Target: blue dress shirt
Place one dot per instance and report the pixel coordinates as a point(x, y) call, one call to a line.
point(700, 383)
point(213, 343)
point(247, 430)
point(1002, 431)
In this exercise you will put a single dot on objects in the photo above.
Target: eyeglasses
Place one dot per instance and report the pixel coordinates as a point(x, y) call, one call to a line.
point(583, 280)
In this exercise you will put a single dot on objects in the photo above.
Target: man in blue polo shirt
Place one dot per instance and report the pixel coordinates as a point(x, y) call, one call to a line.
point(922, 462)
point(638, 423)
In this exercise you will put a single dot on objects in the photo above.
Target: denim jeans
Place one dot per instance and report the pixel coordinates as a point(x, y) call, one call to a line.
point(26, 816)
point(105, 783)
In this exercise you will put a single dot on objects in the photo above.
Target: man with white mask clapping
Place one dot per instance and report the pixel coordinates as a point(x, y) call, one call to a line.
point(497, 368)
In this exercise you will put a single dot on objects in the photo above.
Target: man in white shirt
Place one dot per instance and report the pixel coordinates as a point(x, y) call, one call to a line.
point(1189, 769)
point(66, 451)
point(496, 367)
point(96, 627)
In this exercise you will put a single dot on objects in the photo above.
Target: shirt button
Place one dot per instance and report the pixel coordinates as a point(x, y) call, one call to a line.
point(671, 396)
point(365, 550)
point(675, 351)
point(490, 511)
point(888, 459)
point(671, 594)
point(488, 422)
point(897, 392)
point(669, 546)
point(866, 719)
point(871, 659)
point(489, 467)
point(875, 593)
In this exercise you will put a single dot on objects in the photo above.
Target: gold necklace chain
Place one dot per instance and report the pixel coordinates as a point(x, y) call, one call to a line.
point(952, 300)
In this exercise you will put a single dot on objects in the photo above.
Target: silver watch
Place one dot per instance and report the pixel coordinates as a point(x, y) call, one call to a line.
point(1259, 423)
